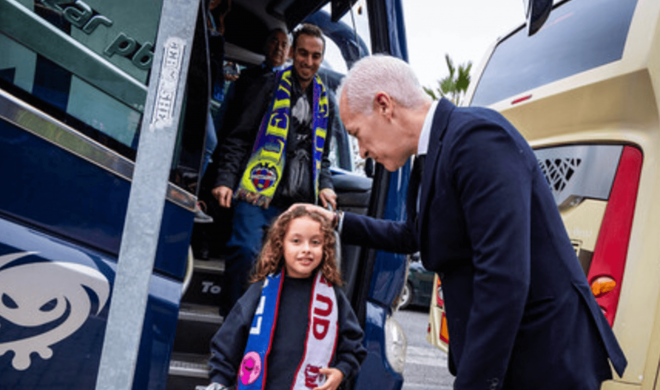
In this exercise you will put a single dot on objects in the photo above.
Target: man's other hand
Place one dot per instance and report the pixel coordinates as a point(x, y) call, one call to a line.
point(223, 195)
point(328, 196)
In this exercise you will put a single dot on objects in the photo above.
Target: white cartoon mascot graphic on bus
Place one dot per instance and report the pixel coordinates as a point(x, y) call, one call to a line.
point(39, 293)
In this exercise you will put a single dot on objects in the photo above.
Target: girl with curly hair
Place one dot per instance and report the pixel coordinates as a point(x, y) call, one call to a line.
point(294, 327)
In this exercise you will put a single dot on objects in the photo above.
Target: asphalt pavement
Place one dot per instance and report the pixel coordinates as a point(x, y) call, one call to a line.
point(426, 366)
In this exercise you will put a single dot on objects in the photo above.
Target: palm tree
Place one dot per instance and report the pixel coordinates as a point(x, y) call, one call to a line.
point(454, 86)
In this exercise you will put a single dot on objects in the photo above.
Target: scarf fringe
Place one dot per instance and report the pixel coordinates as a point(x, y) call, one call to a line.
point(258, 200)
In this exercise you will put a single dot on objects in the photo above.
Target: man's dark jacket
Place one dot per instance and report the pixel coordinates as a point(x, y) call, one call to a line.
point(520, 312)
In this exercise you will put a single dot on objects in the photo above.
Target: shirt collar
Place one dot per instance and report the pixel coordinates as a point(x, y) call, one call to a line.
point(274, 68)
point(425, 134)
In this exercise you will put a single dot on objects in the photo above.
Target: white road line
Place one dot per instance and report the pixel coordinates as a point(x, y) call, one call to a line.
point(408, 385)
point(420, 361)
point(426, 351)
point(426, 357)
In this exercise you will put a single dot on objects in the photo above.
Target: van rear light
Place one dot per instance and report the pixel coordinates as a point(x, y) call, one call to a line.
point(609, 258)
point(444, 330)
point(602, 286)
point(440, 301)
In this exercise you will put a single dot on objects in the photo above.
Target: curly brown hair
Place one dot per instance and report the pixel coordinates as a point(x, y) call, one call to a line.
point(271, 258)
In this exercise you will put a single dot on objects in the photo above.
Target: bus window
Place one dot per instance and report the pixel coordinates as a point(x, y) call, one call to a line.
point(59, 76)
point(72, 100)
point(123, 38)
point(58, 89)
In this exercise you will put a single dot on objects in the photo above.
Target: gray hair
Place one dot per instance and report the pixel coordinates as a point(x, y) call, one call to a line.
point(275, 30)
point(381, 73)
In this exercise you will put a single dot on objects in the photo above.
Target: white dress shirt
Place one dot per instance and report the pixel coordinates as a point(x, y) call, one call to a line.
point(425, 135)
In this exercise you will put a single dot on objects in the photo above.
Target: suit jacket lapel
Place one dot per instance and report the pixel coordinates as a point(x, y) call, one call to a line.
point(438, 128)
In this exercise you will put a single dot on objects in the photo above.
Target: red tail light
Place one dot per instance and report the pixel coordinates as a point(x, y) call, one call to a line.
point(444, 331)
point(609, 259)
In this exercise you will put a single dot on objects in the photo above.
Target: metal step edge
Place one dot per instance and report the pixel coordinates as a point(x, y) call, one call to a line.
point(200, 313)
point(214, 266)
point(189, 369)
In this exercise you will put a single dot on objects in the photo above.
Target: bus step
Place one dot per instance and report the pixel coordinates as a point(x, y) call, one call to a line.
point(200, 313)
point(212, 266)
point(188, 371)
point(189, 365)
point(206, 282)
point(196, 327)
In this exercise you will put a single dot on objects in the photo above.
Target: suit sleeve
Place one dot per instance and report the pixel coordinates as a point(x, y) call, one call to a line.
point(493, 179)
point(391, 236)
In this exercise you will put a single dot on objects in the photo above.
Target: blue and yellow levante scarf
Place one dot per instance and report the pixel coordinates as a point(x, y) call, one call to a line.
point(266, 164)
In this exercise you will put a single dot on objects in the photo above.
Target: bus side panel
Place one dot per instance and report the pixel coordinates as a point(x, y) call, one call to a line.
point(375, 372)
point(60, 192)
point(54, 190)
point(158, 333)
point(389, 271)
point(52, 196)
point(53, 310)
point(54, 304)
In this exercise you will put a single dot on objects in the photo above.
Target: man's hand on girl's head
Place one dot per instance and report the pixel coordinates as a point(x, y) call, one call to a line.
point(327, 214)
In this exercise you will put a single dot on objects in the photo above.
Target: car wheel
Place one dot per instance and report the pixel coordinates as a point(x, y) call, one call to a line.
point(406, 296)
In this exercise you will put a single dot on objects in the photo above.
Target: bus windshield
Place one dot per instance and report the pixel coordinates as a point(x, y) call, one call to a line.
point(578, 36)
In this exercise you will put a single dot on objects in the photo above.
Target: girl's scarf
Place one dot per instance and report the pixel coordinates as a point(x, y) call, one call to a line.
point(322, 328)
point(266, 164)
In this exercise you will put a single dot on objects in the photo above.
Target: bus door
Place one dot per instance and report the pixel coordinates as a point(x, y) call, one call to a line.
point(73, 84)
point(374, 280)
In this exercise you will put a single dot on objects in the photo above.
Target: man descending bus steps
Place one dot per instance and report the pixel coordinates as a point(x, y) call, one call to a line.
point(275, 155)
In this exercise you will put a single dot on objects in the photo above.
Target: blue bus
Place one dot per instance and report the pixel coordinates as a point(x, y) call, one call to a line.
point(74, 100)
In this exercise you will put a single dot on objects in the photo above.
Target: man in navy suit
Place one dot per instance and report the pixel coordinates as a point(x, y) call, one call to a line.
point(520, 311)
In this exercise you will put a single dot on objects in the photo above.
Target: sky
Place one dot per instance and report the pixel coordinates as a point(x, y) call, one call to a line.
point(464, 29)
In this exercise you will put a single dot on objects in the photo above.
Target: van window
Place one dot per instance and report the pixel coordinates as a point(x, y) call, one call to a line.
point(578, 36)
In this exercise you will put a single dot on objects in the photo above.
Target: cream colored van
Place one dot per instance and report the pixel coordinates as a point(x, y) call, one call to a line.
point(583, 91)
